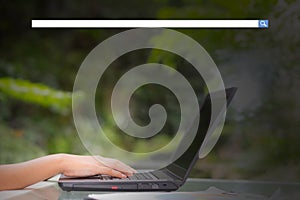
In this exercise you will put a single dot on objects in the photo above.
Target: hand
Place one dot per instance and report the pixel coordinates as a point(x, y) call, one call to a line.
point(78, 166)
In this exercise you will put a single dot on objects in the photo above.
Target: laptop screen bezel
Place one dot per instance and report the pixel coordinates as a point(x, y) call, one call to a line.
point(191, 155)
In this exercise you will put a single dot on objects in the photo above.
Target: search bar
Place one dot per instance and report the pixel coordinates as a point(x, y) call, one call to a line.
point(149, 23)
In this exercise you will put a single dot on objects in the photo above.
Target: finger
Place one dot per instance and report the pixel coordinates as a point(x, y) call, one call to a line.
point(116, 164)
point(127, 167)
point(120, 166)
point(111, 172)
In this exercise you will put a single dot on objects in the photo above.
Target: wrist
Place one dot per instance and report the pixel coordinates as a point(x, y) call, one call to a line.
point(62, 161)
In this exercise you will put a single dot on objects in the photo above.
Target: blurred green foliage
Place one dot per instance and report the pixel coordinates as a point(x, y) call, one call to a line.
point(37, 93)
point(38, 68)
point(12, 146)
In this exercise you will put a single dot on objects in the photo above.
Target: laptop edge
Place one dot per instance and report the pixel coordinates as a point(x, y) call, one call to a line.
point(170, 178)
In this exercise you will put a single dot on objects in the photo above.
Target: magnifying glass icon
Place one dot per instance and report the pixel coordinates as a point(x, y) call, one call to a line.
point(263, 23)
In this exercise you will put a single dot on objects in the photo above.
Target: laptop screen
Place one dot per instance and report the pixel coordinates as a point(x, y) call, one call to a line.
point(183, 165)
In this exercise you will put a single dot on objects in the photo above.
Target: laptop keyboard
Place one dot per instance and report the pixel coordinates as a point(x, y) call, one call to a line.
point(136, 176)
point(142, 176)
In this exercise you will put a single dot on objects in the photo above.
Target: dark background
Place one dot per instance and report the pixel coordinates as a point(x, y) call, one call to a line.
point(261, 137)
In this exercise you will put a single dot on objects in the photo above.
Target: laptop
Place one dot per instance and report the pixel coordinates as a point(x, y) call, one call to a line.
point(169, 178)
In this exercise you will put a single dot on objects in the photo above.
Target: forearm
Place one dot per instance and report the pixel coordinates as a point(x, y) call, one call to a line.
point(16, 176)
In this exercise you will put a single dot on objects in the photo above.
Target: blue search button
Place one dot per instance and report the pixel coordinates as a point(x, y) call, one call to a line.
point(263, 23)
